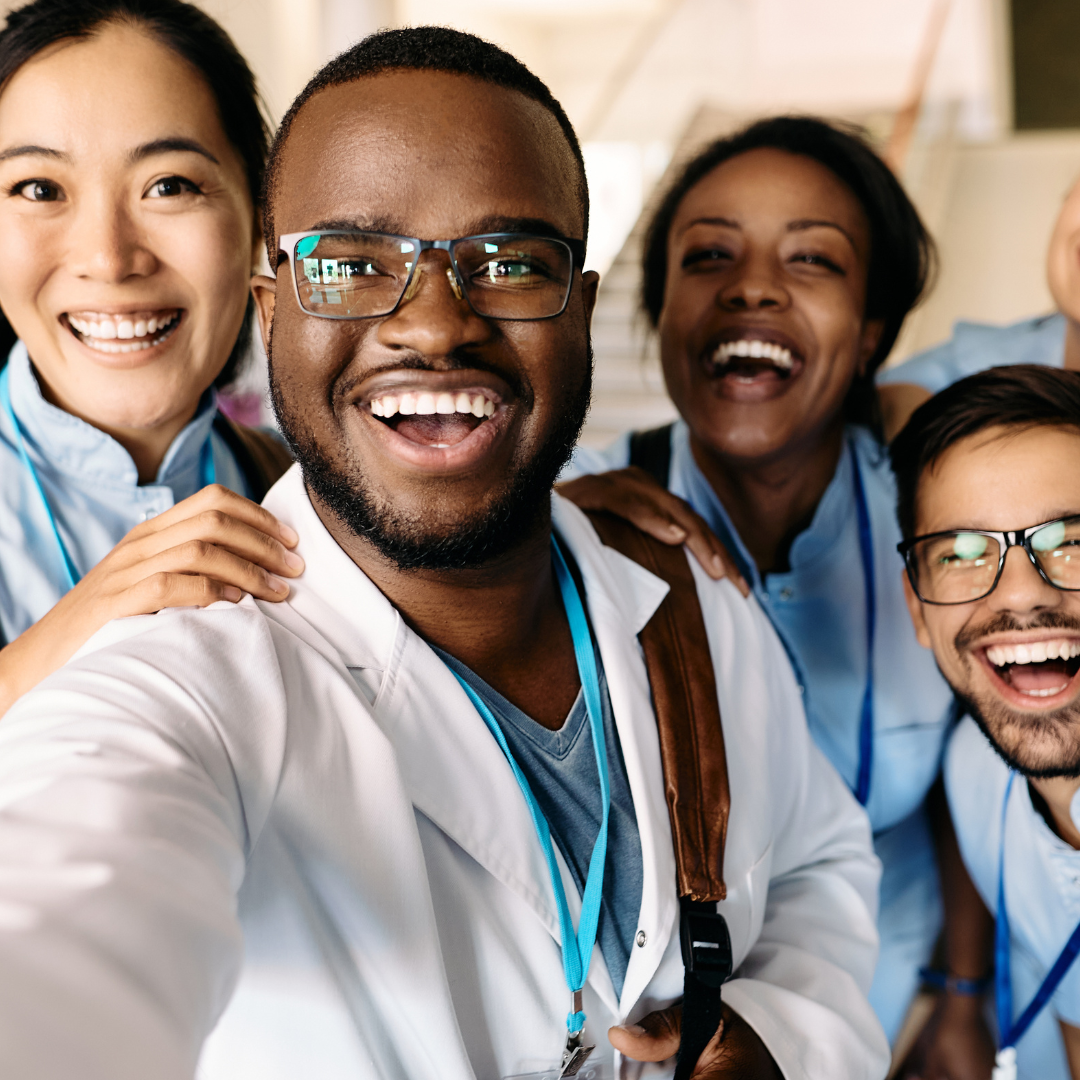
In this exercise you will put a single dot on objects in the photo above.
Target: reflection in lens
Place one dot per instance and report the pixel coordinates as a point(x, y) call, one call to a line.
point(970, 545)
point(1049, 537)
point(306, 246)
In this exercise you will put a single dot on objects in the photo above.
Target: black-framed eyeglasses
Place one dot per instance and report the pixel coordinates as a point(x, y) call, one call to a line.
point(960, 566)
point(362, 275)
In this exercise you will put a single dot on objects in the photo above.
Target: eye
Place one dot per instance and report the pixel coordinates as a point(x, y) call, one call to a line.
point(706, 258)
point(170, 187)
point(814, 259)
point(512, 271)
point(38, 191)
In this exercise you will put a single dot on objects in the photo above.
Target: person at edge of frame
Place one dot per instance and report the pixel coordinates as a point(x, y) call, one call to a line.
point(331, 776)
point(777, 272)
point(132, 149)
point(1052, 339)
point(989, 505)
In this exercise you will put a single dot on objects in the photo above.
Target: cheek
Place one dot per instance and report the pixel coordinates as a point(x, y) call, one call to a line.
point(31, 255)
point(212, 256)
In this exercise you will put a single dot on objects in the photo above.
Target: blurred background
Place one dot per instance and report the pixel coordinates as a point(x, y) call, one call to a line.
point(975, 102)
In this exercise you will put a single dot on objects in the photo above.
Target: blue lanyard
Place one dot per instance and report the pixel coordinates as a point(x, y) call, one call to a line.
point(576, 948)
point(866, 717)
point(71, 573)
point(1012, 1033)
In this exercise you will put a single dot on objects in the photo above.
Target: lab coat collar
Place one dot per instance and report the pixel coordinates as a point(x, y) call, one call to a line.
point(442, 745)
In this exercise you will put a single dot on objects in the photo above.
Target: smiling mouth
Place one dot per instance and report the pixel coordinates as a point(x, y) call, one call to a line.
point(127, 333)
point(435, 419)
point(751, 359)
point(1036, 669)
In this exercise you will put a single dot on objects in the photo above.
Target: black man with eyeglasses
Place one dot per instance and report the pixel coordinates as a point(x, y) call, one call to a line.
point(988, 477)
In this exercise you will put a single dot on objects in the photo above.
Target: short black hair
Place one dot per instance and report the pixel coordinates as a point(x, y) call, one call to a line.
point(1020, 396)
point(421, 48)
point(192, 35)
point(902, 253)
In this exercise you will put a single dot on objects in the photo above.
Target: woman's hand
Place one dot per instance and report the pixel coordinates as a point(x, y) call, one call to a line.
point(633, 494)
point(956, 1043)
point(214, 546)
point(735, 1052)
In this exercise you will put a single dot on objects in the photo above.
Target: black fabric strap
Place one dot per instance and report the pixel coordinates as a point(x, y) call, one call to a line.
point(706, 949)
point(651, 450)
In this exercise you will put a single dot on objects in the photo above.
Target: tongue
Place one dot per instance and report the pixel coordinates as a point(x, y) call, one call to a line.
point(744, 367)
point(1028, 678)
point(437, 429)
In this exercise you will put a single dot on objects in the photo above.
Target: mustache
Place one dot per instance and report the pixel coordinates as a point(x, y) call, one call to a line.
point(1006, 622)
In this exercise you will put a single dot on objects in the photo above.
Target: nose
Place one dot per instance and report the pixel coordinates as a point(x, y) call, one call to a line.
point(433, 318)
point(1021, 588)
point(754, 286)
point(105, 245)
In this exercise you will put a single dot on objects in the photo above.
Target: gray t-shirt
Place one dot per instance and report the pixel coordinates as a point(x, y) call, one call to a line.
point(561, 769)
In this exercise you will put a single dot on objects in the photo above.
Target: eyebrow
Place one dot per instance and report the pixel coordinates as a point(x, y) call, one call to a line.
point(792, 226)
point(140, 153)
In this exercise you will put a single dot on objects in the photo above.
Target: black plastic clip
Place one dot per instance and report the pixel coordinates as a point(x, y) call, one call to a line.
point(706, 946)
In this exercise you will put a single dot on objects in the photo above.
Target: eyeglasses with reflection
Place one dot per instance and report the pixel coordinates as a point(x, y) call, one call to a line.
point(362, 275)
point(960, 566)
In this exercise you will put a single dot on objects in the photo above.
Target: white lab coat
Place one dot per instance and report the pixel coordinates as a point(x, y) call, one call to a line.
point(295, 807)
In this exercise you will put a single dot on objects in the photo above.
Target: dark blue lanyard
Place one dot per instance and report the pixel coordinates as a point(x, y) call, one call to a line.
point(71, 573)
point(577, 947)
point(866, 716)
point(1012, 1033)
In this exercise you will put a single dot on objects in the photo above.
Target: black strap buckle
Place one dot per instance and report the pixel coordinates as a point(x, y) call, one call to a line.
point(706, 946)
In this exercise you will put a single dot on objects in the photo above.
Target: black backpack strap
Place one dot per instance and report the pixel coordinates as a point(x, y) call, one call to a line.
point(262, 458)
point(651, 450)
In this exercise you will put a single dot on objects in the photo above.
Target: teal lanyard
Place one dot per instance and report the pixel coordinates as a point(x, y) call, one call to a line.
point(576, 948)
point(71, 573)
point(1011, 1033)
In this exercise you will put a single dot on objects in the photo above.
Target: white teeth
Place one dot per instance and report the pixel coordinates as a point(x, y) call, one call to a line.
point(151, 325)
point(106, 330)
point(755, 349)
point(1035, 652)
point(125, 329)
point(424, 404)
point(105, 333)
point(140, 329)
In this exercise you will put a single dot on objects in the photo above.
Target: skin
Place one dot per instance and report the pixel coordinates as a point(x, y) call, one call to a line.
point(768, 246)
point(1000, 480)
point(899, 401)
point(93, 225)
point(439, 156)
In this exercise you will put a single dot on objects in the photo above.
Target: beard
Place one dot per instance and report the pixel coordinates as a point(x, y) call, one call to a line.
point(411, 540)
point(1040, 745)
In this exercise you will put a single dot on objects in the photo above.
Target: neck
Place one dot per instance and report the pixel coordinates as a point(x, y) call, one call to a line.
point(1072, 345)
point(770, 502)
point(146, 445)
point(1058, 792)
point(504, 620)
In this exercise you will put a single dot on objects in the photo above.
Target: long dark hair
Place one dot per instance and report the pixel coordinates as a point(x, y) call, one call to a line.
point(902, 252)
point(191, 34)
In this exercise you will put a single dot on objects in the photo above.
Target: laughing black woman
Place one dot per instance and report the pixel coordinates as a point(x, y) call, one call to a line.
point(778, 271)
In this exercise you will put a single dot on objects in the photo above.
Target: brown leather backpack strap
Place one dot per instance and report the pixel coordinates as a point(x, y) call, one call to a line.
point(263, 459)
point(687, 711)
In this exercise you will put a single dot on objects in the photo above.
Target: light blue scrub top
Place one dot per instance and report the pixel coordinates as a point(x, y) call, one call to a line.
point(1042, 888)
point(819, 611)
point(93, 489)
point(977, 346)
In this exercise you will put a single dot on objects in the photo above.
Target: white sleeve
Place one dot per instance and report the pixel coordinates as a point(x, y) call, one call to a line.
point(586, 460)
point(803, 985)
point(123, 835)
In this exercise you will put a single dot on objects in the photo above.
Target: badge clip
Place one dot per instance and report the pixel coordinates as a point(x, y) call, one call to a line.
point(1005, 1064)
point(576, 1053)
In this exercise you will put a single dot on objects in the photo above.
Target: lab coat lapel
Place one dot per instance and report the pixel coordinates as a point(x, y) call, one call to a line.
point(622, 597)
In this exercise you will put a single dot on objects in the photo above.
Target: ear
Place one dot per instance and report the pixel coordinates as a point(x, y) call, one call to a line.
point(590, 282)
point(869, 341)
point(264, 290)
point(917, 613)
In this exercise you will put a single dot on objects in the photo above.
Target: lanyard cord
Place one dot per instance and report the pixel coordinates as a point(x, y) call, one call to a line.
point(71, 574)
point(1012, 1033)
point(866, 716)
point(576, 948)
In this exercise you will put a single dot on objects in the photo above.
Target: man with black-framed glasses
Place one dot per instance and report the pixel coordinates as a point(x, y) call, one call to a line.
point(988, 477)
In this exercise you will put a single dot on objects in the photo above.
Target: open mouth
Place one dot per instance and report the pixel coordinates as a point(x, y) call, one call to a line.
point(1036, 669)
point(753, 358)
point(127, 333)
point(435, 419)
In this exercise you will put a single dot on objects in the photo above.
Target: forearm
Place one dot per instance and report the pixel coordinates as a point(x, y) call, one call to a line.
point(1071, 1036)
